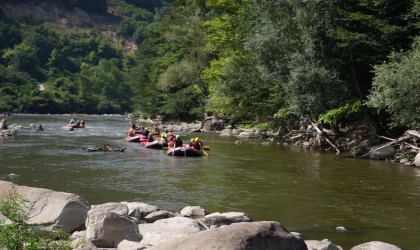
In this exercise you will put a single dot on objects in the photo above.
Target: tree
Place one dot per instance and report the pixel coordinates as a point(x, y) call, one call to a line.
point(396, 86)
point(23, 57)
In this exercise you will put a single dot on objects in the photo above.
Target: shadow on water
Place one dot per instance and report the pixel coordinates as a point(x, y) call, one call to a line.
point(312, 193)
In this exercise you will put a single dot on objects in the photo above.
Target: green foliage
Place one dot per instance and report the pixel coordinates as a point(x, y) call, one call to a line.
point(23, 58)
point(342, 114)
point(11, 206)
point(396, 87)
point(20, 235)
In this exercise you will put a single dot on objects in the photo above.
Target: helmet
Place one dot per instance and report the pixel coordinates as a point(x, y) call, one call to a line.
point(192, 139)
point(177, 136)
point(196, 139)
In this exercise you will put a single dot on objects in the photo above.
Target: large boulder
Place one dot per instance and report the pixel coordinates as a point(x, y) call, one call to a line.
point(166, 229)
point(221, 219)
point(108, 224)
point(383, 153)
point(262, 235)
point(50, 208)
point(375, 245)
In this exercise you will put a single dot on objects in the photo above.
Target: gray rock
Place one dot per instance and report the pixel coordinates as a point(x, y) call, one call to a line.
point(403, 161)
point(51, 209)
point(193, 211)
point(109, 229)
point(139, 210)
point(158, 215)
point(112, 207)
point(263, 235)
point(5, 220)
point(417, 160)
point(375, 245)
point(131, 245)
point(220, 219)
point(324, 244)
point(383, 153)
point(166, 229)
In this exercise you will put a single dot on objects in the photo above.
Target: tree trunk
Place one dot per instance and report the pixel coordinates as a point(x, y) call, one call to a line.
point(362, 94)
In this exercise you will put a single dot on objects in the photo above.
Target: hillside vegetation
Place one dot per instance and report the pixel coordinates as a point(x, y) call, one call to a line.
point(247, 61)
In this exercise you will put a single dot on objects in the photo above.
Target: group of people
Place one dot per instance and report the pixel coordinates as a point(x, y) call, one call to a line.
point(78, 123)
point(174, 141)
point(138, 130)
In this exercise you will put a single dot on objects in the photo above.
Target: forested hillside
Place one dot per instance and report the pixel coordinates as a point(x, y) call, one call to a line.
point(259, 61)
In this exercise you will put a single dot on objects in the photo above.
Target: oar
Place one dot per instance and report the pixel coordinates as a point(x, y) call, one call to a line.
point(124, 139)
point(205, 153)
point(206, 148)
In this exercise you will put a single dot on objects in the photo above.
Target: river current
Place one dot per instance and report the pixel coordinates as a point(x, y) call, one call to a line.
point(308, 192)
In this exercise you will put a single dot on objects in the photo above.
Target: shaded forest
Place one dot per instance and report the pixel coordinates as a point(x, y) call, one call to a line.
point(264, 62)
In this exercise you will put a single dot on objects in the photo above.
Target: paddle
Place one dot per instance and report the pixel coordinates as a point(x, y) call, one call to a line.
point(206, 148)
point(124, 139)
point(205, 153)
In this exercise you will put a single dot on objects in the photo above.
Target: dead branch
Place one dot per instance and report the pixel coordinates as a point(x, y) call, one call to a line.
point(326, 138)
point(406, 137)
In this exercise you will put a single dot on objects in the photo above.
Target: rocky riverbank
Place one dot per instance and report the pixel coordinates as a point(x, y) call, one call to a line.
point(137, 225)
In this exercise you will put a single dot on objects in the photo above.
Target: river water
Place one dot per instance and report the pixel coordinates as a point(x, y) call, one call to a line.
point(311, 193)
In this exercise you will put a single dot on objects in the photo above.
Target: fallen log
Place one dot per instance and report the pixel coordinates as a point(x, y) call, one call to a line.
point(403, 138)
point(326, 138)
point(413, 133)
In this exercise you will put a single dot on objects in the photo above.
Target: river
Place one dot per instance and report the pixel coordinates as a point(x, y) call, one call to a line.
point(311, 193)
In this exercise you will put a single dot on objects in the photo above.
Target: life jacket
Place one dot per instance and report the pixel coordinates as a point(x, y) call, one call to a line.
point(196, 145)
point(172, 144)
point(131, 132)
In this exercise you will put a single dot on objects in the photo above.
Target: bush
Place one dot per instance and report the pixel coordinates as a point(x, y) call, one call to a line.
point(396, 87)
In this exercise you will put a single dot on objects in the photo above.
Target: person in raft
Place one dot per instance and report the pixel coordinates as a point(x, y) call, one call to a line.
point(178, 141)
point(170, 137)
point(71, 121)
point(164, 136)
point(82, 123)
point(146, 132)
point(191, 143)
point(196, 144)
point(172, 143)
point(132, 131)
point(40, 128)
point(150, 137)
